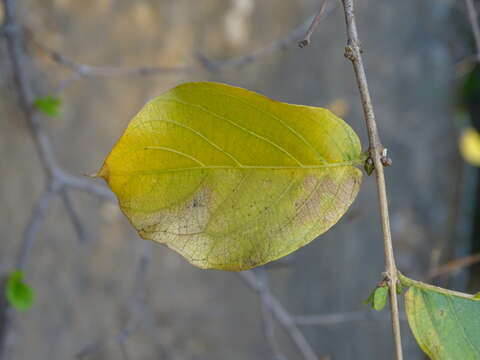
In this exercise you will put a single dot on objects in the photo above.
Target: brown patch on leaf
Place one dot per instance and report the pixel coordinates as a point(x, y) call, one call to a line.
point(326, 199)
point(165, 226)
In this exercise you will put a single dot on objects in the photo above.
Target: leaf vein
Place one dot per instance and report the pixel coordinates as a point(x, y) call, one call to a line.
point(163, 148)
point(244, 129)
point(199, 134)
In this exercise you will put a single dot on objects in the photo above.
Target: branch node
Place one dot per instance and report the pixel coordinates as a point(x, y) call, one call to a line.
point(304, 43)
point(316, 20)
point(384, 159)
point(350, 53)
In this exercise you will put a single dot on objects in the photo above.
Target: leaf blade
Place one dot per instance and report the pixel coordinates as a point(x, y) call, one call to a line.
point(215, 172)
point(48, 105)
point(445, 326)
point(18, 293)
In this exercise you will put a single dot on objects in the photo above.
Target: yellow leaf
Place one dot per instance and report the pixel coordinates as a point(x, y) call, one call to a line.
point(231, 179)
point(470, 146)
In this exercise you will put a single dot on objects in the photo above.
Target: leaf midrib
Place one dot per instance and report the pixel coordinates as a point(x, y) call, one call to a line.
point(229, 167)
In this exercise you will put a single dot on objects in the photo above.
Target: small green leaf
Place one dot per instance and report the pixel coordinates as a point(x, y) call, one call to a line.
point(446, 326)
point(49, 105)
point(378, 298)
point(369, 300)
point(477, 296)
point(231, 179)
point(18, 293)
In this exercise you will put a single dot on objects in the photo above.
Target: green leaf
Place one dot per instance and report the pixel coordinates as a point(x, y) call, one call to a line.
point(49, 105)
point(369, 300)
point(18, 293)
point(231, 179)
point(446, 326)
point(378, 298)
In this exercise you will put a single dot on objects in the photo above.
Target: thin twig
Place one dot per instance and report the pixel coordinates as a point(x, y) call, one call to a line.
point(36, 219)
point(453, 266)
point(137, 309)
point(282, 315)
point(332, 318)
point(340, 318)
point(473, 18)
point(83, 70)
point(73, 215)
point(56, 178)
point(316, 20)
point(120, 338)
point(240, 61)
point(354, 53)
point(106, 71)
point(267, 316)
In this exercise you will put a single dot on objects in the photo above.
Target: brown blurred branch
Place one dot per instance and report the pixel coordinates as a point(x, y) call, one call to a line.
point(104, 71)
point(332, 319)
point(453, 266)
point(81, 70)
point(353, 52)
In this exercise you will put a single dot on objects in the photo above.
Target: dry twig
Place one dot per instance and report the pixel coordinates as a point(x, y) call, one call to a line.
point(316, 20)
point(453, 266)
point(282, 315)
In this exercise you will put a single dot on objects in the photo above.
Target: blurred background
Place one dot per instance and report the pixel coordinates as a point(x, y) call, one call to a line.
point(103, 293)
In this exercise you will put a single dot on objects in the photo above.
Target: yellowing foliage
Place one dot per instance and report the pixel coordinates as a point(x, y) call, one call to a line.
point(231, 179)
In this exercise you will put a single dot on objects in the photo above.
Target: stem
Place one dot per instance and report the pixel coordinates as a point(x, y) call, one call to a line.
point(406, 281)
point(354, 54)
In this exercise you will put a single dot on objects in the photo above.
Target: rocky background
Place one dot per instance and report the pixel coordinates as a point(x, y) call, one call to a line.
point(88, 292)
